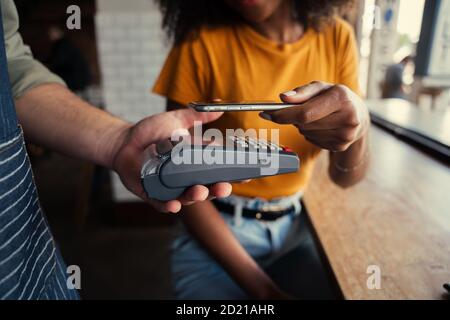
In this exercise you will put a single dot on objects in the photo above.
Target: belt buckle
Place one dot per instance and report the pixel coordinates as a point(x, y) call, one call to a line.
point(272, 208)
point(269, 209)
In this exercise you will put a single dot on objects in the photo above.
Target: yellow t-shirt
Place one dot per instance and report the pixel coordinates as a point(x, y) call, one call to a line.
point(236, 63)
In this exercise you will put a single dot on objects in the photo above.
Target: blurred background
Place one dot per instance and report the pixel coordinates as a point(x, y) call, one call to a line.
point(119, 243)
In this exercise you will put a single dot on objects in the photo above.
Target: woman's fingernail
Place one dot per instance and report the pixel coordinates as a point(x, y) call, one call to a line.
point(265, 116)
point(289, 93)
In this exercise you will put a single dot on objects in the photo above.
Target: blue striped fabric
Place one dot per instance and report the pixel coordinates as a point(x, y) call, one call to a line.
point(30, 265)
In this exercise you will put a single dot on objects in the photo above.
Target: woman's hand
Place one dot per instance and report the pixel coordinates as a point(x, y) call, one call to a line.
point(329, 116)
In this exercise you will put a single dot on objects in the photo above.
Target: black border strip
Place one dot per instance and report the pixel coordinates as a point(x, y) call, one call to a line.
point(438, 149)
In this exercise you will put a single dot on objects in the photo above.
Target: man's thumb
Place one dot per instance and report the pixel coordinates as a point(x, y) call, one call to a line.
point(163, 126)
point(188, 117)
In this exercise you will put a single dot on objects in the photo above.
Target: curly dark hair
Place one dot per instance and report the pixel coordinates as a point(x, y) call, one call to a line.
point(181, 17)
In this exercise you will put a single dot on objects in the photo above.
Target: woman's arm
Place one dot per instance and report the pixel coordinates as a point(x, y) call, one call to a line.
point(349, 167)
point(206, 225)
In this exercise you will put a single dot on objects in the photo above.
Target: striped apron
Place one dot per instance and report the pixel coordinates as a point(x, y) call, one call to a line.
point(30, 265)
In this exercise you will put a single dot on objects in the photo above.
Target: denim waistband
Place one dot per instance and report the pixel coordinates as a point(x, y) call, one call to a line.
point(259, 204)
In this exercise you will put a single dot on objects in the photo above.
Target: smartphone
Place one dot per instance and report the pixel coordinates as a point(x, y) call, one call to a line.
point(223, 106)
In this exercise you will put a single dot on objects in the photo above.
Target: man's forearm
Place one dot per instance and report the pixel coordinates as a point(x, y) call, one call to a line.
point(54, 117)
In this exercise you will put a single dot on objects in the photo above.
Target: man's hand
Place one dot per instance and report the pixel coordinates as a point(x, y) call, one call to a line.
point(329, 116)
point(134, 140)
point(75, 128)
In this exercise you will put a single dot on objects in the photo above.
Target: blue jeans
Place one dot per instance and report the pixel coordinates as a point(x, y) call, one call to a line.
point(284, 248)
point(196, 275)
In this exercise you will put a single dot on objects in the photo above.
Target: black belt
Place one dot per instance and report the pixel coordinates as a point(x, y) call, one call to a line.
point(253, 214)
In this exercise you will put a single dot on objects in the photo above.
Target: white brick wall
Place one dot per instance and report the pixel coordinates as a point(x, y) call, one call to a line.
point(131, 50)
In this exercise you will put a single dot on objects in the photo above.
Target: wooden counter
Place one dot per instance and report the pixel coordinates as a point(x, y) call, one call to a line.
point(398, 218)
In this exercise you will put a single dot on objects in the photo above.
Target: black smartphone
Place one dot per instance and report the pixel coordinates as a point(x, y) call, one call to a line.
point(225, 106)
